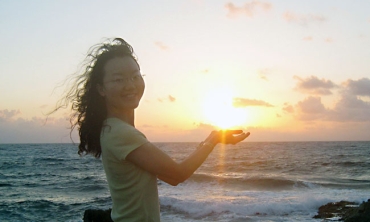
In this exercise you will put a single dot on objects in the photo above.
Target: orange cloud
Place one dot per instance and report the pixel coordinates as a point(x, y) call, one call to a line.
point(328, 40)
point(263, 73)
point(161, 45)
point(248, 9)
point(169, 98)
point(308, 38)
point(242, 102)
point(288, 108)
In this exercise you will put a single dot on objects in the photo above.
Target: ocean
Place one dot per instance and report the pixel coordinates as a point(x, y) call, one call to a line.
point(251, 181)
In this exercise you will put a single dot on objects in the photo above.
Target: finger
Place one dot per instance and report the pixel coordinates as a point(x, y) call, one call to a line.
point(240, 137)
point(231, 131)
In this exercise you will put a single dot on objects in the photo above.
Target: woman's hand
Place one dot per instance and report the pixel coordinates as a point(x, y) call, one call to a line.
point(227, 136)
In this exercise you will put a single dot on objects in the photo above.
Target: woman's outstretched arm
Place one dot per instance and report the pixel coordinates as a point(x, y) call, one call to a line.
point(155, 161)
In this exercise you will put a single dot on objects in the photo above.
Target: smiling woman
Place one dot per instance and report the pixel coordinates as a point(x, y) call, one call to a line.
point(218, 109)
point(104, 100)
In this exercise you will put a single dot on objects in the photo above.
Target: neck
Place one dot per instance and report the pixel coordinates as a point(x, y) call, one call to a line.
point(126, 116)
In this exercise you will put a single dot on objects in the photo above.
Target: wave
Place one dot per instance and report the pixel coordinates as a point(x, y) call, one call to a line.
point(277, 183)
point(219, 210)
point(210, 205)
point(337, 183)
point(252, 183)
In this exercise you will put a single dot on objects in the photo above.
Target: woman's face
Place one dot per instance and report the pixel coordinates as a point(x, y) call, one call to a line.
point(123, 85)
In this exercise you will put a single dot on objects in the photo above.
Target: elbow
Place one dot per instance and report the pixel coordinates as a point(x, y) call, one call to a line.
point(177, 176)
point(174, 183)
point(180, 178)
point(177, 181)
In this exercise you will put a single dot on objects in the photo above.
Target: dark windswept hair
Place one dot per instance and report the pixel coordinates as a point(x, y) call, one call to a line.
point(88, 106)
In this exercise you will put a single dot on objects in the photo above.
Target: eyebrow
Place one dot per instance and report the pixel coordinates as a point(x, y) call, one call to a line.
point(123, 73)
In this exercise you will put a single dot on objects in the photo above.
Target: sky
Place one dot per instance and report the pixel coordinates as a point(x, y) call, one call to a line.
point(283, 70)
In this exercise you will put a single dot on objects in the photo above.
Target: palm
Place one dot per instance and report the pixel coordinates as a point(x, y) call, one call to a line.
point(228, 136)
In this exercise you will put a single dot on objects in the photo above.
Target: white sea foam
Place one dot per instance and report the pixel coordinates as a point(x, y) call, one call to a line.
point(200, 201)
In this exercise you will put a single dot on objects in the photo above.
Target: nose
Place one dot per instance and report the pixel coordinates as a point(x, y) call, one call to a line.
point(129, 84)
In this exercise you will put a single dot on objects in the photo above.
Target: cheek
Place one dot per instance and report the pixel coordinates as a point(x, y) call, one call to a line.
point(142, 88)
point(111, 93)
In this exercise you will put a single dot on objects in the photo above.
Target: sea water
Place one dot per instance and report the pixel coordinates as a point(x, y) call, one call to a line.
point(252, 181)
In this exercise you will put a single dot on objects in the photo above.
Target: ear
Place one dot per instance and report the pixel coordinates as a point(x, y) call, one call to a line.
point(100, 89)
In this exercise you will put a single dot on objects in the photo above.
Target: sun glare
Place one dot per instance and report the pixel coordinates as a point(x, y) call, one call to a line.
point(218, 109)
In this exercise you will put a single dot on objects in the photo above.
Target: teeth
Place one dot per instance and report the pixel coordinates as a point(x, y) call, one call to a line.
point(130, 95)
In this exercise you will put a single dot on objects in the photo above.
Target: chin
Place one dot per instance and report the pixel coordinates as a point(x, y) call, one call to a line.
point(131, 105)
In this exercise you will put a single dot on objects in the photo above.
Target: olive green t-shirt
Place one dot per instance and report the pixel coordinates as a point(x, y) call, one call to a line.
point(134, 191)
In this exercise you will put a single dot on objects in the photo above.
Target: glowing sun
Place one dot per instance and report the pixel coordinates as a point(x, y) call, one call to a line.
point(218, 109)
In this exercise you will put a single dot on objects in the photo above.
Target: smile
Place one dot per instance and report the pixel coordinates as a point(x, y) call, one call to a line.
point(132, 95)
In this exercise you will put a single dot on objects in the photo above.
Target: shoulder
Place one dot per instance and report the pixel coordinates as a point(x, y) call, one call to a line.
point(115, 125)
point(114, 128)
point(120, 137)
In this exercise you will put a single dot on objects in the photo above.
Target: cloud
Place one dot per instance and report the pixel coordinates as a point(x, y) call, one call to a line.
point(360, 87)
point(242, 102)
point(329, 40)
point(263, 73)
point(161, 46)
point(288, 108)
point(169, 98)
point(303, 19)
point(315, 86)
point(36, 130)
point(308, 38)
point(205, 71)
point(248, 9)
point(349, 108)
point(6, 115)
point(311, 108)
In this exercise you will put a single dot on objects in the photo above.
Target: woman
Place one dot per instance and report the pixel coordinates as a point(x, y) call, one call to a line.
point(103, 102)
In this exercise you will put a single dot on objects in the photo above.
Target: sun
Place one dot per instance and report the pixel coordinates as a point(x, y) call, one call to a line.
point(218, 109)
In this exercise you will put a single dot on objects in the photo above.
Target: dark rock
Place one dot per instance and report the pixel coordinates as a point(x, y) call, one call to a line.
point(337, 209)
point(345, 210)
point(97, 216)
point(360, 214)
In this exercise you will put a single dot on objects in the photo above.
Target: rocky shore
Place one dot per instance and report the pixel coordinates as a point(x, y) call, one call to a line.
point(345, 211)
point(338, 211)
point(97, 216)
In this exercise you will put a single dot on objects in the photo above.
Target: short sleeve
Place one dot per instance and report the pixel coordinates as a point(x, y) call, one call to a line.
point(123, 138)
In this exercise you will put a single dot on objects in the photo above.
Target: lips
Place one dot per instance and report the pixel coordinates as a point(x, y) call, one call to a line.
point(129, 95)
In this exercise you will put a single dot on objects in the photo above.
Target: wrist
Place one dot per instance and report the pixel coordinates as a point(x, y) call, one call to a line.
point(206, 144)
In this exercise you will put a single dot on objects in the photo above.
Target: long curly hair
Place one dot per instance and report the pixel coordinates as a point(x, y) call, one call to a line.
point(88, 106)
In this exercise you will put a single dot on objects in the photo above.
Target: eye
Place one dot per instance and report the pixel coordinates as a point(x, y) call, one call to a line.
point(136, 77)
point(118, 80)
